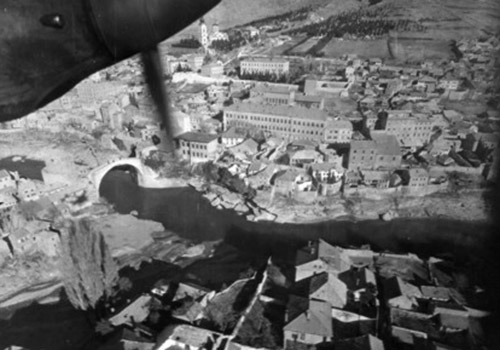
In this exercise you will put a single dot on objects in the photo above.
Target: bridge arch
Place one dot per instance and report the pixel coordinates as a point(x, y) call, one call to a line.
point(96, 175)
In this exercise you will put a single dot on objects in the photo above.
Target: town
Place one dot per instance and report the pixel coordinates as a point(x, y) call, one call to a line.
point(272, 122)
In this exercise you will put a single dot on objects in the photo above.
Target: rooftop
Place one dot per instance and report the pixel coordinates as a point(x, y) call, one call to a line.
point(295, 112)
point(309, 317)
point(197, 137)
point(189, 335)
point(264, 59)
point(386, 144)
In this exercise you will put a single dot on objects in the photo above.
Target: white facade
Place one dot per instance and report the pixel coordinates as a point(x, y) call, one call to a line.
point(264, 65)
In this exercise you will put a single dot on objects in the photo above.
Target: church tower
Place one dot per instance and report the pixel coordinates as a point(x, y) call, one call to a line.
point(203, 34)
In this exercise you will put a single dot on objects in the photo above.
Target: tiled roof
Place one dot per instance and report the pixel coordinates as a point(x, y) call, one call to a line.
point(315, 319)
point(386, 144)
point(295, 112)
point(197, 137)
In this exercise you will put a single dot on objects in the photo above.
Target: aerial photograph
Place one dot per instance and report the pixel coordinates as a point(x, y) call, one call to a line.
point(249, 174)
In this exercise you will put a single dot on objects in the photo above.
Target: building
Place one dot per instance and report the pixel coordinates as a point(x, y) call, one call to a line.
point(324, 287)
point(308, 101)
point(326, 172)
point(319, 256)
point(292, 180)
point(203, 34)
point(184, 336)
point(137, 311)
point(198, 147)
point(213, 70)
point(388, 150)
point(362, 154)
point(232, 137)
point(264, 65)
point(89, 93)
point(419, 178)
point(217, 35)
point(289, 122)
point(149, 131)
point(325, 88)
point(195, 62)
point(338, 131)
point(375, 178)
point(410, 130)
point(401, 294)
point(6, 181)
point(308, 322)
point(364, 342)
point(304, 157)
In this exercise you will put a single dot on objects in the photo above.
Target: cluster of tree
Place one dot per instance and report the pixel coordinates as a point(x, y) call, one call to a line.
point(88, 269)
point(182, 68)
point(223, 177)
point(290, 16)
point(266, 76)
point(356, 23)
point(236, 39)
point(189, 43)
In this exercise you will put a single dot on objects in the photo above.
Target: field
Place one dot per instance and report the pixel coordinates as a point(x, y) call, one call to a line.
point(304, 47)
point(414, 49)
point(363, 48)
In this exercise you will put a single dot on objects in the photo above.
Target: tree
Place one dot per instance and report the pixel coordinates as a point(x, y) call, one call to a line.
point(89, 272)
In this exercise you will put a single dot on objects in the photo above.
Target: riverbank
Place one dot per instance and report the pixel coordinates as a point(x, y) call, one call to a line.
point(467, 205)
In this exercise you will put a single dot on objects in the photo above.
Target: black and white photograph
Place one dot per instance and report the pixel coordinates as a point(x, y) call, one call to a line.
point(249, 174)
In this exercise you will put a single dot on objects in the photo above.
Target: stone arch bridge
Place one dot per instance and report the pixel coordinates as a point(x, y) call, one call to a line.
point(144, 173)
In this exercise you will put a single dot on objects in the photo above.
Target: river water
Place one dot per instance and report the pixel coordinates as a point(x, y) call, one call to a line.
point(184, 211)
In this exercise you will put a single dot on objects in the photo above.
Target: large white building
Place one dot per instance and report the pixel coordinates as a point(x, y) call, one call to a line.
point(256, 65)
point(290, 122)
point(197, 147)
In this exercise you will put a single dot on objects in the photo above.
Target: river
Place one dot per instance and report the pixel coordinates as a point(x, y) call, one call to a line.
point(186, 212)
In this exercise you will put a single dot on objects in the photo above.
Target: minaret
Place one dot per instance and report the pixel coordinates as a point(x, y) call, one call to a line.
point(203, 34)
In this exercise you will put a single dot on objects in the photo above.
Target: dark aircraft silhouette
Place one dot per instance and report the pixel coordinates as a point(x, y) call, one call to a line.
point(48, 46)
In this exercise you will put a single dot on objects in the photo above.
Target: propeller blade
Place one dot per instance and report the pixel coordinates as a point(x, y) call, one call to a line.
point(153, 71)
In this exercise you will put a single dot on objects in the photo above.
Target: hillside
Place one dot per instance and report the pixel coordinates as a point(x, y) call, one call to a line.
point(231, 13)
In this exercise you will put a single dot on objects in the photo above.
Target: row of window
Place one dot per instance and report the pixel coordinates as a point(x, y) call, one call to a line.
point(280, 120)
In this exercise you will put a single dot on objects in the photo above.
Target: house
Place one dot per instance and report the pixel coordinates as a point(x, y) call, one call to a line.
point(213, 70)
point(436, 293)
point(452, 315)
point(6, 180)
point(189, 290)
point(136, 312)
point(246, 150)
point(362, 154)
point(324, 286)
point(307, 322)
point(326, 172)
point(7, 198)
point(256, 167)
point(348, 324)
point(198, 147)
point(232, 137)
point(399, 293)
point(376, 178)
point(419, 178)
point(28, 190)
point(388, 150)
point(416, 321)
point(183, 336)
point(409, 336)
point(358, 279)
point(319, 256)
point(304, 157)
point(364, 342)
point(292, 180)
